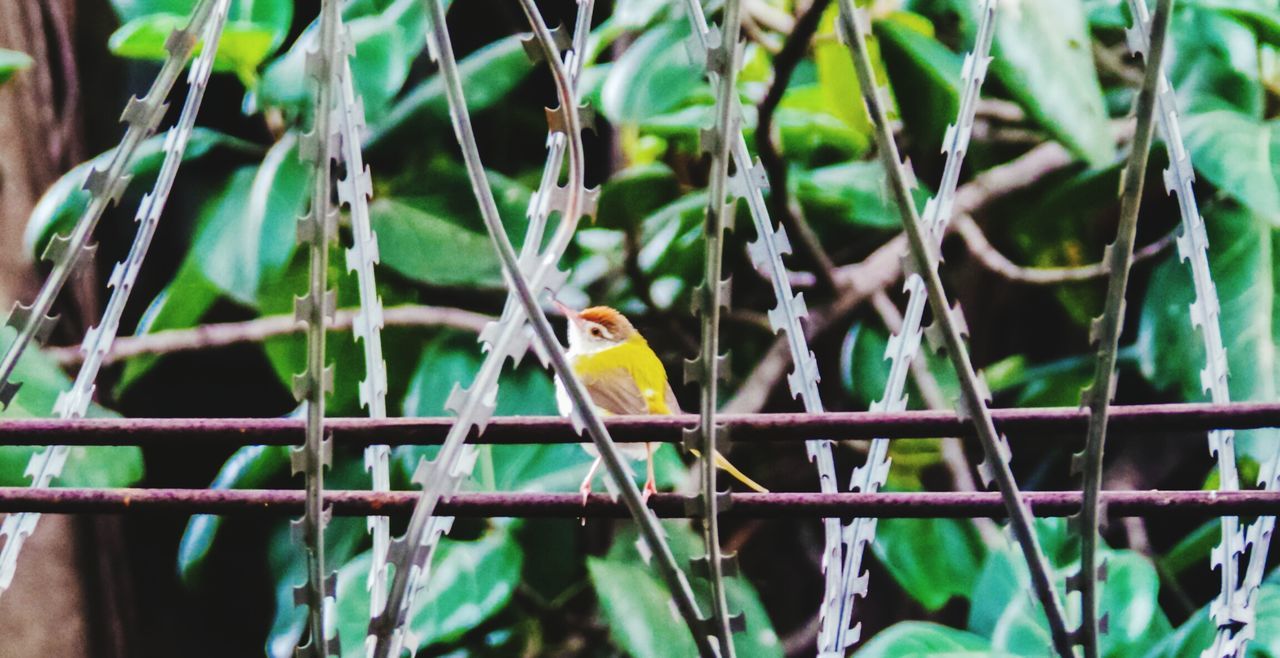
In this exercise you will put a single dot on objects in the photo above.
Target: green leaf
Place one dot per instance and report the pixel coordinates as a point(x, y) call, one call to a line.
point(180, 305)
point(64, 201)
point(637, 607)
point(469, 582)
point(927, 76)
point(386, 39)
point(850, 193)
point(837, 78)
point(241, 49)
point(245, 236)
point(632, 194)
point(1242, 263)
point(917, 639)
point(653, 76)
point(274, 14)
point(419, 241)
point(249, 467)
point(933, 560)
point(12, 61)
point(489, 75)
point(1215, 65)
point(1042, 56)
point(1240, 156)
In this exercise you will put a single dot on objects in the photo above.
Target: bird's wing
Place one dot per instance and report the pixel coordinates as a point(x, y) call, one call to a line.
point(616, 392)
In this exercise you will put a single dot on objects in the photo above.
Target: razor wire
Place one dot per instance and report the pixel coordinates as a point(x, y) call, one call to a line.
point(1104, 333)
point(318, 231)
point(766, 253)
point(505, 338)
point(948, 330)
point(105, 188)
point(723, 59)
point(354, 191)
point(1230, 611)
point(206, 23)
point(904, 346)
point(410, 554)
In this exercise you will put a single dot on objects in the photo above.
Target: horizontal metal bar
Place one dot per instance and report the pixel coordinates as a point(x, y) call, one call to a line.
point(232, 432)
point(667, 505)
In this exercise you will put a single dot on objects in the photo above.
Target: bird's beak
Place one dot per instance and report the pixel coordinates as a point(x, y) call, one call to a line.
point(569, 313)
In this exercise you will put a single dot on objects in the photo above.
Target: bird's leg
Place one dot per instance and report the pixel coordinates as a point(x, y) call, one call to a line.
point(585, 489)
point(650, 485)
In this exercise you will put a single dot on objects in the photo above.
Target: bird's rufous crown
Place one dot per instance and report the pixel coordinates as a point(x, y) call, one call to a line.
point(614, 322)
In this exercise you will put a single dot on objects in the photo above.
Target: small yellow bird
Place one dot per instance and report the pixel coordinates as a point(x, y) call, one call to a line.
point(624, 378)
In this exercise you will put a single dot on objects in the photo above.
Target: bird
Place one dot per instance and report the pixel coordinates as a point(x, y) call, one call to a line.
point(623, 377)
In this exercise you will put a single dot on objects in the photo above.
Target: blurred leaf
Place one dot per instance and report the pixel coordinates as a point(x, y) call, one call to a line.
point(851, 193)
point(61, 205)
point(1240, 156)
point(245, 236)
point(1215, 64)
point(933, 560)
point(810, 133)
point(1242, 262)
point(632, 194)
point(1191, 638)
point(643, 622)
point(838, 80)
point(418, 242)
point(922, 638)
point(276, 15)
point(654, 75)
point(927, 76)
point(1042, 56)
point(249, 467)
point(638, 610)
point(386, 40)
point(1054, 384)
point(241, 49)
point(469, 582)
point(1261, 16)
point(12, 61)
point(489, 75)
point(180, 305)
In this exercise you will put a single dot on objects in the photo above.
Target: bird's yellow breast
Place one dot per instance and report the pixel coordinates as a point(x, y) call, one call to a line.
point(632, 358)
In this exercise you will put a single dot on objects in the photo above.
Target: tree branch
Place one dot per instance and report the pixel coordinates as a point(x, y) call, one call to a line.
point(989, 257)
point(211, 336)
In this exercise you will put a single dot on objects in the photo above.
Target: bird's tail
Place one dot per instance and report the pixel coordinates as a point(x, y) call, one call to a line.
point(729, 468)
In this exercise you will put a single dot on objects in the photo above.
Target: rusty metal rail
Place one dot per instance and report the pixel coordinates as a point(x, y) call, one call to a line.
point(667, 505)
point(1188, 421)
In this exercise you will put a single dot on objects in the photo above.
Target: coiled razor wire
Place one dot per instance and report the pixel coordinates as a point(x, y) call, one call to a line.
point(948, 329)
point(411, 554)
point(318, 230)
point(105, 187)
point(354, 191)
point(723, 59)
point(1231, 610)
point(1104, 333)
point(839, 630)
point(766, 253)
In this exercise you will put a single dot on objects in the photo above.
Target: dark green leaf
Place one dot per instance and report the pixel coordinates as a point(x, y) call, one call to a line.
point(852, 194)
point(1215, 64)
point(249, 467)
point(64, 201)
point(469, 582)
point(933, 560)
point(632, 194)
point(927, 76)
point(488, 75)
point(1239, 156)
point(1171, 353)
point(1042, 56)
point(246, 236)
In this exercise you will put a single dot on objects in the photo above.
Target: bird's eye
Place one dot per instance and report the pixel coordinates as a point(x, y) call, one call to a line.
point(595, 331)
